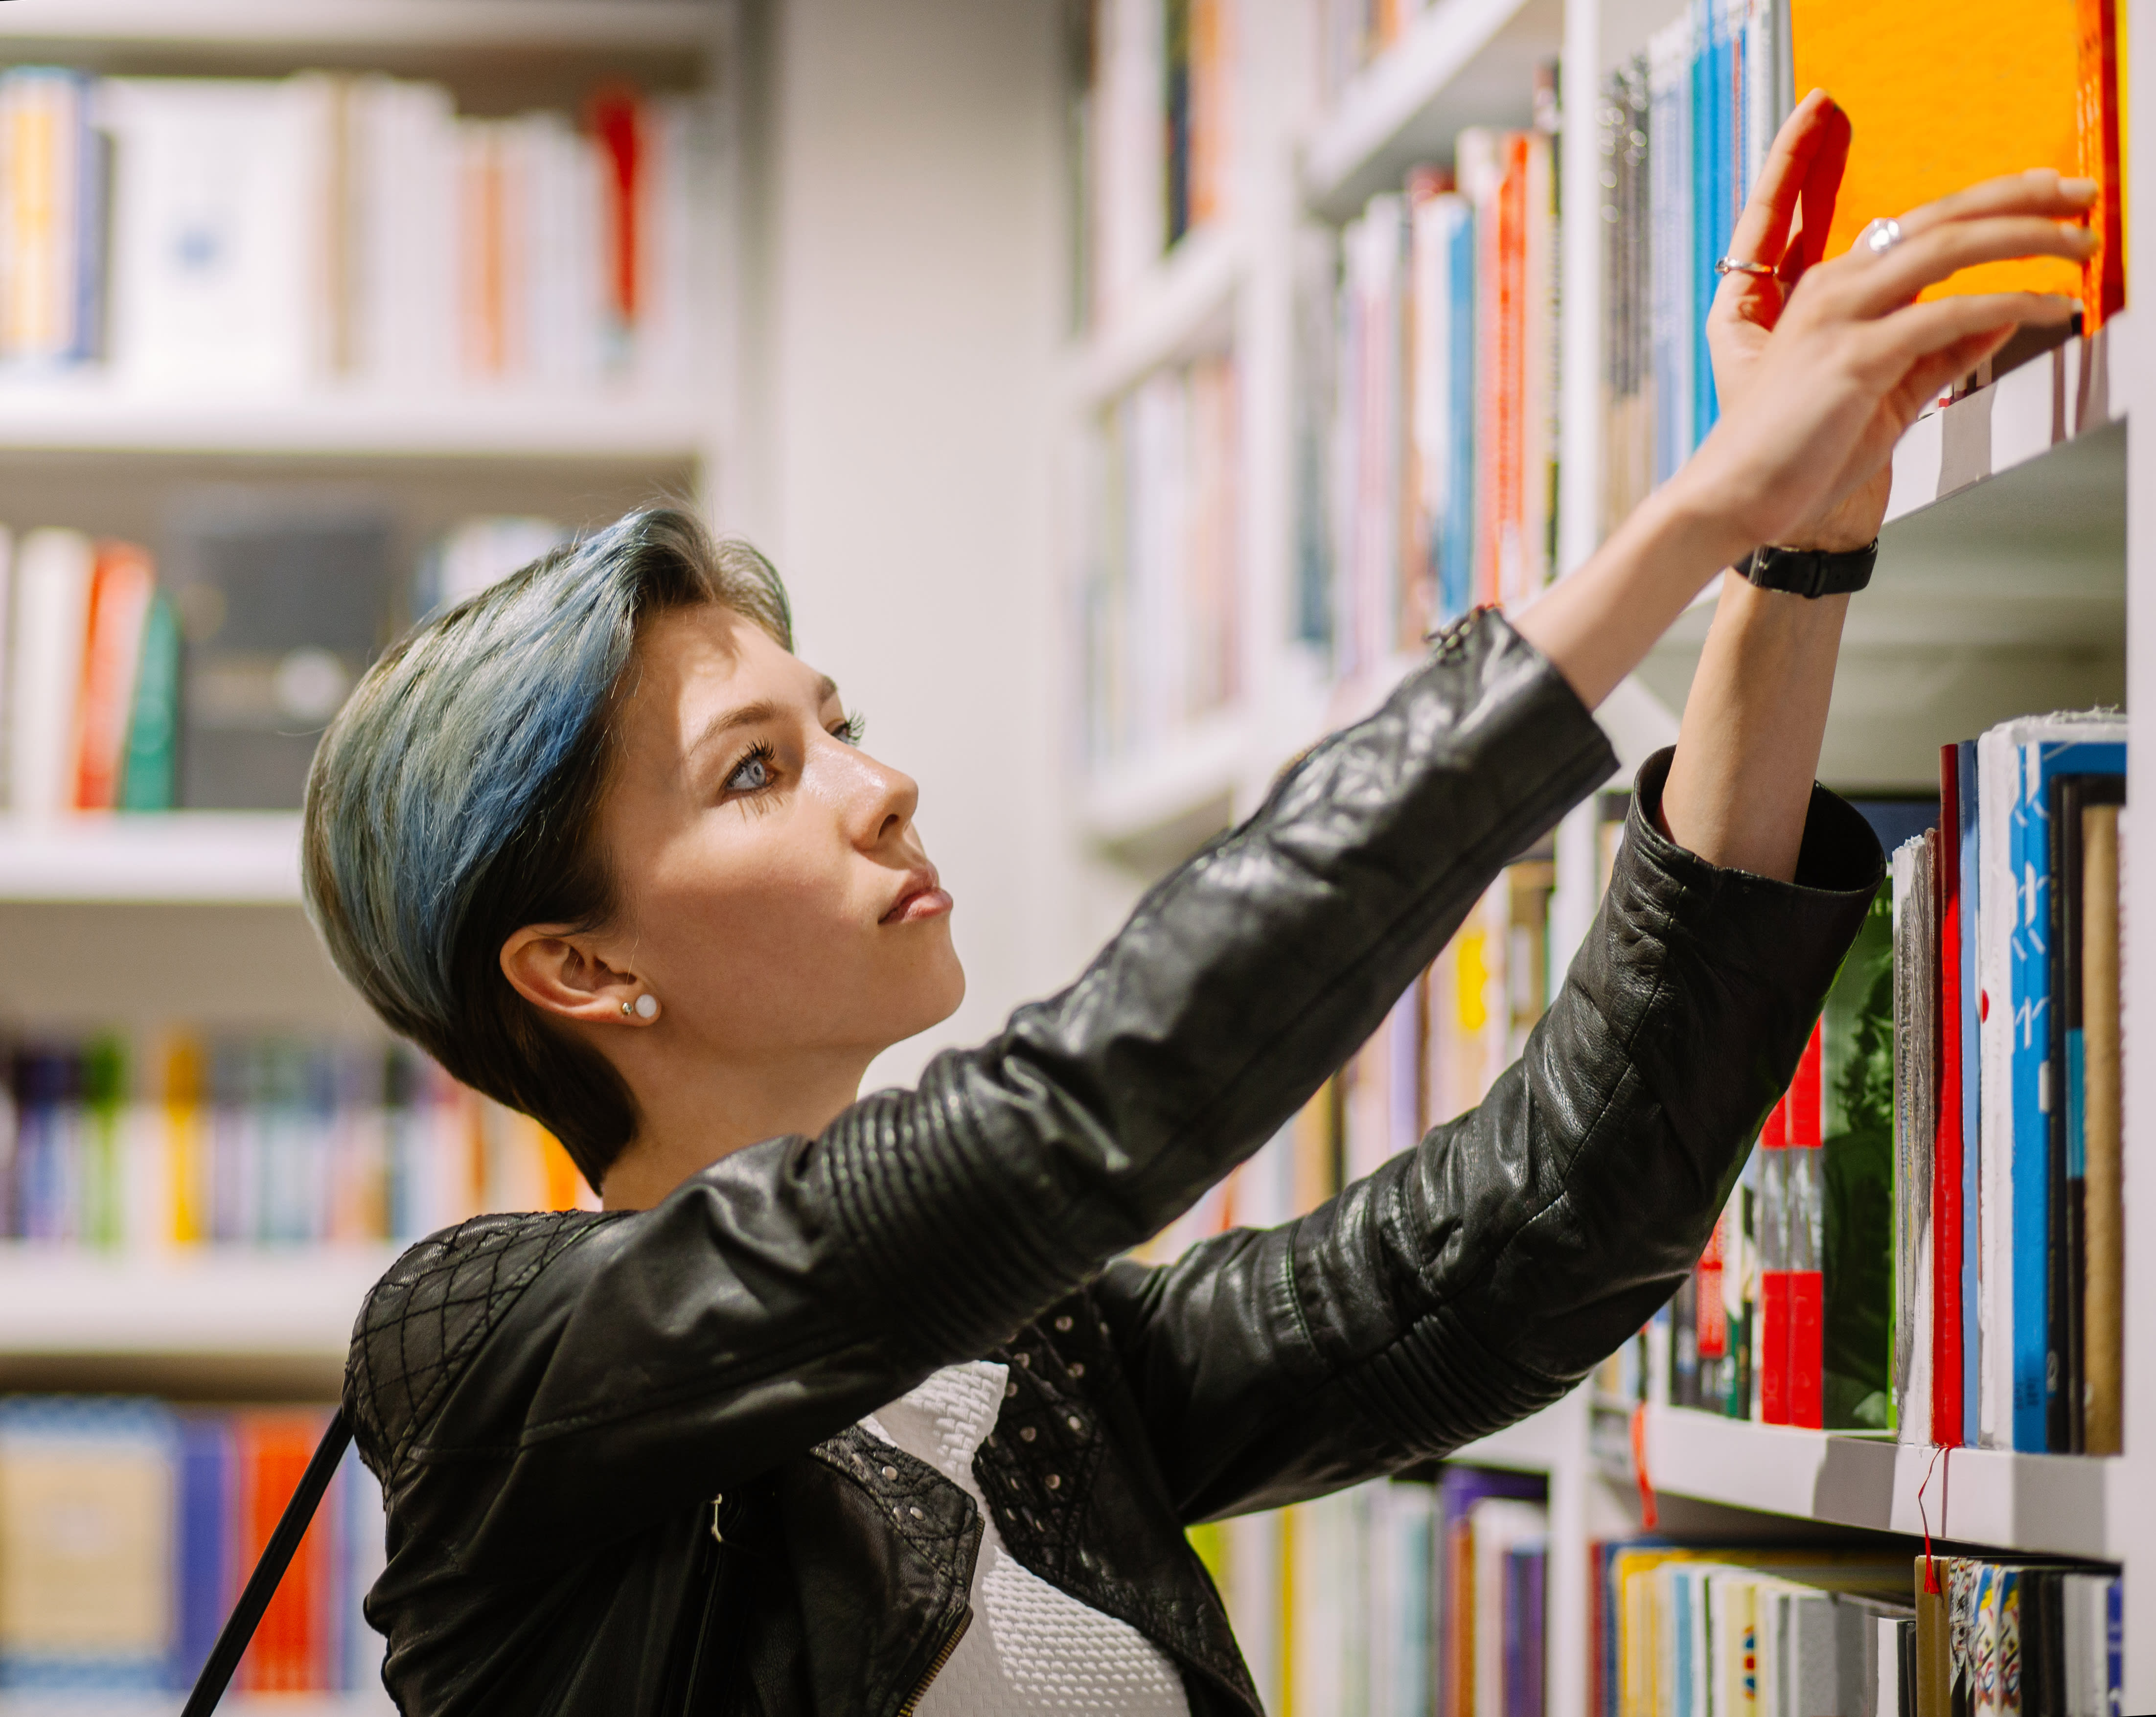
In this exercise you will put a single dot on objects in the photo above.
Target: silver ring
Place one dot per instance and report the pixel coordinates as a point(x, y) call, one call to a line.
point(1881, 236)
point(1730, 265)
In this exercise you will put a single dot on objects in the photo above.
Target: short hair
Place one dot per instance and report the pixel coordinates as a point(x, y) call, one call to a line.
point(455, 799)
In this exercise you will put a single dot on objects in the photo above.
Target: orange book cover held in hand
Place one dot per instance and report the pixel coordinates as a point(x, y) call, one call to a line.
point(1940, 94)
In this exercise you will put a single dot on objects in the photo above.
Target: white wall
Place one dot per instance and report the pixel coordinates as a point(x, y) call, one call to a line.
point(902, 308)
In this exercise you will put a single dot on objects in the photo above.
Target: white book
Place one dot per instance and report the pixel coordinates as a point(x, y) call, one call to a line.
point(1999, 768)
point(1499, 1525)
point(679, 272)
point(53, 573)
point(218, 230)
point(404, 241)
point(563, 259)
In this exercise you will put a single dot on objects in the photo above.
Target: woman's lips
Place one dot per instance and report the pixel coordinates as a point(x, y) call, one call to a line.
point(922, 899)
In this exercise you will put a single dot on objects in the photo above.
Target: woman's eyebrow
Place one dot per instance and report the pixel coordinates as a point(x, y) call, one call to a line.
point(749, 715)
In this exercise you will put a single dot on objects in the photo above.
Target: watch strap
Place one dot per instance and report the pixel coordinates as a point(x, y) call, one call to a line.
point(1810, 572)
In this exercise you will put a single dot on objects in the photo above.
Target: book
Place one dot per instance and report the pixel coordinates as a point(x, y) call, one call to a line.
point(53, 572)
point(1903, 70)
point(1947, 1419)
point(2103, 1239)
point(1968, 793)
point(150, 756)
point(53, 172)
point(122, 586)
point(86, 1543)
point(2065, 1094)
point(1915, 968)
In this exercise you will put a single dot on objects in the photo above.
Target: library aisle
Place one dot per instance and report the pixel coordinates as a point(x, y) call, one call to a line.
point(1392, 310)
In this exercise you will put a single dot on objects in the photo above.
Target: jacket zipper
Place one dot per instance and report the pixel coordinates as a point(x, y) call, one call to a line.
point(935, 1668)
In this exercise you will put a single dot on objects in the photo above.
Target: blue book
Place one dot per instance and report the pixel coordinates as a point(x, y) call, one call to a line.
point(207, 1512)
point(2049, 748)
point(2114, 1649)
point(1456, 575)
point(1972, 1062)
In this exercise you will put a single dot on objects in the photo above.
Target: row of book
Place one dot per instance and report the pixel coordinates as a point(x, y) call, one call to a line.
point(1155, 150)
point(1683, 132)
point(1163, 614)
point(115, 1147)
point(127, 1528)
point(262, 234)
point(1419, 1596)
point(1725, 1630)
point(1443, 385)
point(121, 690)
point(1929, 1238)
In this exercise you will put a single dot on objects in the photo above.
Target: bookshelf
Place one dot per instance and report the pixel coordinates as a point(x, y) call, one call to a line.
point(139, 923)
point(2013, 578)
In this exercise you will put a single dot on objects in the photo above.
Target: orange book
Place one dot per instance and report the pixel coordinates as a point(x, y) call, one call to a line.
point(1940, 94)
point(291, 1650)
point(119, 605)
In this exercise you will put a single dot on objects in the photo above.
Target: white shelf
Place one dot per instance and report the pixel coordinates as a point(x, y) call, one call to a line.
point(389, 23)
point(238, 857)
point(2043, 1504)
point(105, 1704)
point(1128, 801)
point(270, 1304)
point(2068, 392)
point(1185, 307)
point(91, 414)
point(1462, 63)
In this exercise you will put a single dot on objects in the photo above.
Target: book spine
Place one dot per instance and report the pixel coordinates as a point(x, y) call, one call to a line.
point(153, 725)
point(2103, 1316)
point(2097, 127)
point(1999, 763)
point(1967, 808)
point(119, 607)
point(2030, 1234)
point(1774, 1268)
point(1947, 1417)
point(1807, 1240)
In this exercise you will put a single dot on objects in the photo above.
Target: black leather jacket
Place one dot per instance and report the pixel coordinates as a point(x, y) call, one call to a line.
point(553, 1402)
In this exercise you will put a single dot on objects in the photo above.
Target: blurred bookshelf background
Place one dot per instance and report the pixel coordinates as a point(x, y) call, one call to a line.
point(1172, 366)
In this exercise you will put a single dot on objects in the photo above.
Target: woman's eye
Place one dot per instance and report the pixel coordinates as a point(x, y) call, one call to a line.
point(850, 731)
point(752, 773)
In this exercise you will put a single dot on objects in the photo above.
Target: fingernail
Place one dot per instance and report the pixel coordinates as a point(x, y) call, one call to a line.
point(2078, 190)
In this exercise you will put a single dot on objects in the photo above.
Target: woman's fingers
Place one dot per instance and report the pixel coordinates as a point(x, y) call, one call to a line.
point(1762, 230)
point(1900, 343)
point(1822, 187)
point(1947, 366)
point(1876, 285)
point(2040, 191)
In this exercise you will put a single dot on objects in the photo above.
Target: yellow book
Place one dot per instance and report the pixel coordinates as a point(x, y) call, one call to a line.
point(1940, 94)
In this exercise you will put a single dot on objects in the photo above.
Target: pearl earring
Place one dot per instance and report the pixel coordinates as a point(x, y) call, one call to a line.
point(647, 1007)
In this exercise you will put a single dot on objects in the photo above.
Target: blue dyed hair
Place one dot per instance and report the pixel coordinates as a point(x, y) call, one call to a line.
point(455, 800)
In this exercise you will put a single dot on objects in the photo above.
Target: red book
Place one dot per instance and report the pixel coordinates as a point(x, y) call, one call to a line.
point(616, 117)
point(2097, 127)
point(293, 1650)
point(119, 604)
point(1806, 1228)
point(1773, 1361)
point(1946, 1145)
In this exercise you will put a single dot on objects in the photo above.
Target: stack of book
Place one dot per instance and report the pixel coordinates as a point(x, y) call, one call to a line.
point(265, 234)
point(1156, 120)
point(1444, 444)
point(1162, 630)
point(2052, 1633)
point(127, 1528)
point(184, 1142)
point(1929, 1238)
point(1685, 126)
point(1420, 1595)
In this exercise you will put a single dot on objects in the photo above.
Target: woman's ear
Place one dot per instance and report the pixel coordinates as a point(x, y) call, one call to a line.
point(557, 970)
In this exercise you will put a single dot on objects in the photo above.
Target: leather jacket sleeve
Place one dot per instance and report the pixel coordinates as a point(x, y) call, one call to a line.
point(552, 1393)
point(1475, 1278)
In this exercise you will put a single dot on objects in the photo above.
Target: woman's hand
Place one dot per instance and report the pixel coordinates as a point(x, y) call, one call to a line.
point(1821, 366)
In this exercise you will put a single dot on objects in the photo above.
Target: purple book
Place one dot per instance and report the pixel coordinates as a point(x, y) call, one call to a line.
point(1459, 1488)
point(1525, 1648)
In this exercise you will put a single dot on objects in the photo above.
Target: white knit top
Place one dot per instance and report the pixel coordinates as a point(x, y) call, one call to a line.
point(1031, 1648)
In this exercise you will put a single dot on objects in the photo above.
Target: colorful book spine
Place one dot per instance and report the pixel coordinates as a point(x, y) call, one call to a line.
point(1947, 1214)
point(121, 589)
point(1805, 1221)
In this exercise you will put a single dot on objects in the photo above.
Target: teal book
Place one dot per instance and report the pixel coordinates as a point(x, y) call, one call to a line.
point(153, 724)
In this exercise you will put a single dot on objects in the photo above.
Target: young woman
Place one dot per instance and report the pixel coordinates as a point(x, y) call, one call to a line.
point(849, 1406)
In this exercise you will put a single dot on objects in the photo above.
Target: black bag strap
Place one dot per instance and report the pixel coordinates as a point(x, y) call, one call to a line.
point(277, 1556)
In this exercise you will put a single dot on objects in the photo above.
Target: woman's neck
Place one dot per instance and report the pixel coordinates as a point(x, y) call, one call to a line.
point(691, 1118)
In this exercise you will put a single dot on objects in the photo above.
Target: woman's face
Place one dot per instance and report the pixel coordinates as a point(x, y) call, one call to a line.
point(774, 893)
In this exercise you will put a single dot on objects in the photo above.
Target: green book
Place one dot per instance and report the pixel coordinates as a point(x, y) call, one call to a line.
point(147, 773)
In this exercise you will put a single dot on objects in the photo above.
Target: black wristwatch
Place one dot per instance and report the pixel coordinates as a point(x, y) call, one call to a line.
point(1810, 572)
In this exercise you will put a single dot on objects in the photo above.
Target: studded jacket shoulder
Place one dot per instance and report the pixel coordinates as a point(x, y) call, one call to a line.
point(565, 1409)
